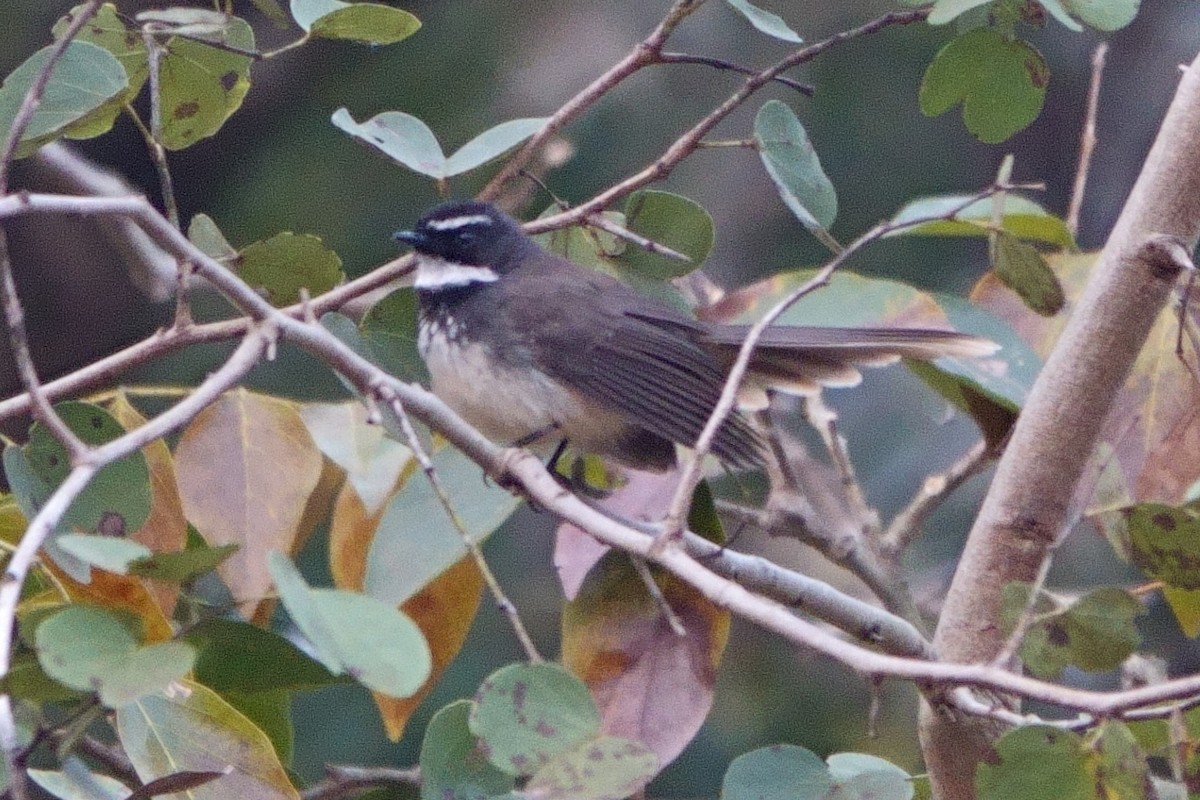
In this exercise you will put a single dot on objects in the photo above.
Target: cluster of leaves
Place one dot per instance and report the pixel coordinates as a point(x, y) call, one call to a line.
point(120, 618)
point(999, 79)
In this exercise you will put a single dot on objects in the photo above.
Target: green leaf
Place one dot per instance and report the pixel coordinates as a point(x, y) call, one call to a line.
point(106, 30)
point(106, 552)
point(195, 730)
point(1020, 267)
point(1166, 542)
point(1185, 605)
point(1000, 82)
point(793, 165)
point(1095, 633)
point(604, 768)
point(182, 565)
point(1021, 217)
point(287, 263)
point(1117, 763)
point(272, 11)
point(88, 649)
point(947, 10)
point(202, 86)
point(373, 462)
point(81, 84)
point(765, 21)
point(670, 220)
point(271, 713)
point(235, 656)
point(782, 772)
point(453, 765)
point(204, 233)
point(416, 541)
point(1056, 9)
point(402, 137)
point(30, 492)
point(492, 143)
point(384, 650)
point(389, 329)
point(368, 23)
point(1035, 761)
point(118, 499)
point(77, 782)
point(1104, 15)
point(410, 142)
point(526, 714)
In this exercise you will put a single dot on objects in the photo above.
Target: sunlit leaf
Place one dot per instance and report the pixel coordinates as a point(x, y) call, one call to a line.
point(82, 83)
point(1000, 82)
point(247, 469)
point(962, 216)
point(384, 650)
point(946, 10)
point(368, 23)
point(288, 262)
point(76, 782)
point(201, 86)
point(1104, 15)
point(793, 165)
point(767, 22)
point(526, 714)
point(194, 729)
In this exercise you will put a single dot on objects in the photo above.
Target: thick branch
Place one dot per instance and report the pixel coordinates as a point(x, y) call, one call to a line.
point(1028, 506)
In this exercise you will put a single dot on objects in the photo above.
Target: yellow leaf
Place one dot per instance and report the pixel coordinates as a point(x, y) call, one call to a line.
point(247, 470)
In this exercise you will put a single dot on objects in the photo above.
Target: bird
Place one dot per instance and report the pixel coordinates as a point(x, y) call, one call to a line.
point(531, 348)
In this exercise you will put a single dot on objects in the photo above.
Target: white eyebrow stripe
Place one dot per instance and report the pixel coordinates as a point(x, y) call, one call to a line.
point(453, 223)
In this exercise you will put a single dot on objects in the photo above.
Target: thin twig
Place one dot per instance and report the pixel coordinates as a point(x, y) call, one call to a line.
point(686, 144)
point(643, 54)
point(1006, 654)
point(605, 224)
point(505, 605)
point(656, 594)
point(686, 58)
point(691, 473)
point(824, 419)
point(905, 527)
point(344, 781)
point(1087, 139)
point(154, 134)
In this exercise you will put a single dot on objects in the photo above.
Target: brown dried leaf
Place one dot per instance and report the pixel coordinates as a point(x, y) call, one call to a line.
point(165, 530)
point(247, 470)
point(444, 609)
point(1152, 435)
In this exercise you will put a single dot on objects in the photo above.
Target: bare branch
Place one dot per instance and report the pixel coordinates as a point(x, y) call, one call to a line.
point(344, 781)
point(720, 63)
point(905, 527)
point(1087, 139)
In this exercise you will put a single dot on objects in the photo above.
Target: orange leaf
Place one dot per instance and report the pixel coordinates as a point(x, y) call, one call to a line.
point(444, 609)
point(120, 592)
point(247, 470)
point(165, 530)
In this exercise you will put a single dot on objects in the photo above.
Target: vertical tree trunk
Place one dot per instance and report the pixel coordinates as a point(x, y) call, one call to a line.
point(1028, 504)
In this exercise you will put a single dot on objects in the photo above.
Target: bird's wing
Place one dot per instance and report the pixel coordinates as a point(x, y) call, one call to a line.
point(650, 369)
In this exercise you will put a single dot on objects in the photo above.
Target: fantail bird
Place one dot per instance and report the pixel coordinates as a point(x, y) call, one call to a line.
point(527, 346)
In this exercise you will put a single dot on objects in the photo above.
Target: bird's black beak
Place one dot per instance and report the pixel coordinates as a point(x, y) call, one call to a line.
point(413, 238)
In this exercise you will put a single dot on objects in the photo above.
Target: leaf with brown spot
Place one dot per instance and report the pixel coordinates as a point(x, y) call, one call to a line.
point(1151, 438)
point(444, 610)
point(202, 86)
point(165, 530)
point(651, 685)
point(247, 470)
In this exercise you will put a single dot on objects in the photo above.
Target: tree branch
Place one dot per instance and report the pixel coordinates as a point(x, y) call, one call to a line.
point(1025, 511)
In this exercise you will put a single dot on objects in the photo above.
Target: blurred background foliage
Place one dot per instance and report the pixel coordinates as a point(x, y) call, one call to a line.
point(278, 164)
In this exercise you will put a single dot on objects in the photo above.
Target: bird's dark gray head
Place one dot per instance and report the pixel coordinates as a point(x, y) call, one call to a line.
point(470, 234)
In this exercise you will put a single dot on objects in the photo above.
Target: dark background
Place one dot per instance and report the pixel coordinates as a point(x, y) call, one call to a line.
point(278, 164)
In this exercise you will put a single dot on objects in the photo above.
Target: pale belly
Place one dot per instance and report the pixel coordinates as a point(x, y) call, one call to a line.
point(512, 406)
